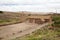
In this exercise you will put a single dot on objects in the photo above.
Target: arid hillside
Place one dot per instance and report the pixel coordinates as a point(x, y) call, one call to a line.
point(16, 17)
point(11, 17)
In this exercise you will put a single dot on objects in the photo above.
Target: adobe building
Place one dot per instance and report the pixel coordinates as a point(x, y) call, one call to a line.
point(39, 19)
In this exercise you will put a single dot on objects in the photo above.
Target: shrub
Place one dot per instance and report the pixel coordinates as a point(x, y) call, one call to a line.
point(1, 12)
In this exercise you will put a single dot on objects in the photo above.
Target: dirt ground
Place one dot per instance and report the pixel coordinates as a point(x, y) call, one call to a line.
point(12, 31)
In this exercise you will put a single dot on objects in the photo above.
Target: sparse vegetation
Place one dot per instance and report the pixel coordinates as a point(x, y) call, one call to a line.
point(45, 33)
point(9, 18)
point(8, 21)
point(56, 19)
point(42, 34)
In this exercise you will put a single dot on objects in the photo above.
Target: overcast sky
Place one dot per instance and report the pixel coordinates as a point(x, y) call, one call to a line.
point(30, 5)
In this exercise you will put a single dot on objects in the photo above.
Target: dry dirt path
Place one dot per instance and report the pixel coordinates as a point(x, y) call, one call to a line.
point(12, 31)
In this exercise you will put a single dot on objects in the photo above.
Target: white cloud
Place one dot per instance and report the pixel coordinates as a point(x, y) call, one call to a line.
point(26, 8)
point(22, 1)
point(30, 5)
